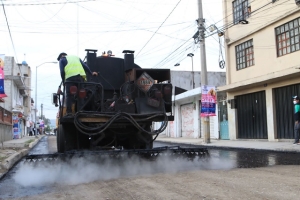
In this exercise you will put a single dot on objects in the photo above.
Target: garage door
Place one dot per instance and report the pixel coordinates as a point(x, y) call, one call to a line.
point(252, 116)
point(284, 110)
point(187, 120)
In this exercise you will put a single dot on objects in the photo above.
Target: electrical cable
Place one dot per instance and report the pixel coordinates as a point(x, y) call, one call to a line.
point(158, 29)
point(10, 36)
point(50, 3)
point(173, 52)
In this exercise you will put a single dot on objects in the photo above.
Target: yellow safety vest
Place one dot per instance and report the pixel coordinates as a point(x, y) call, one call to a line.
point(74, 67)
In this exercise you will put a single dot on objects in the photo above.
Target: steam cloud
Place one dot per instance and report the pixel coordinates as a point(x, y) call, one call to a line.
point(85, 170)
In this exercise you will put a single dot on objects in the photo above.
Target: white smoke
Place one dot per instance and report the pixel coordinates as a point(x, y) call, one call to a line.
point(85, 170)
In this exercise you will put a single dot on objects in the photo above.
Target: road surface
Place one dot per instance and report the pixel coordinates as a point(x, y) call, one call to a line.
point(220, 177)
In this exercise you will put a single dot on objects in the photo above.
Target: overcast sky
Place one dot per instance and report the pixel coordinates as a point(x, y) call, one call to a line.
point(159, 31)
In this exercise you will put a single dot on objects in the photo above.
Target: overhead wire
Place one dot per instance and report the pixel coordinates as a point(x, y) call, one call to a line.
point(253, 13)
point(154, 50)
point(105, 31)
point(110, 31)
point(232, 23)
point(44, 20)
point(159, 33)
point(10, 35)
point(158, 28)
point(173, 52)
point(41, 3)
point(178, 38)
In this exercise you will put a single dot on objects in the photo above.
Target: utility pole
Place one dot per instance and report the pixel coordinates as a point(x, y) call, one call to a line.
point(41, 111)
point(204, 120)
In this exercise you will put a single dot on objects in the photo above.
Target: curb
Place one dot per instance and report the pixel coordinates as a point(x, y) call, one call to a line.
point(32, 144)
point(279, 149)
point(9, 162)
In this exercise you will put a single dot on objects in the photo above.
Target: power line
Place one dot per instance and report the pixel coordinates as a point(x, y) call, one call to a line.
point(50, 3)
point(253, 13)
point(158, 28)
point(226, 27)
point(173, 52)
point(10, 33)
point(153, 50)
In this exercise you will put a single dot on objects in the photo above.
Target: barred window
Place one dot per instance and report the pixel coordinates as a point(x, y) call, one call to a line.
point(288, 37)
point(244, 55)
point(241, 10)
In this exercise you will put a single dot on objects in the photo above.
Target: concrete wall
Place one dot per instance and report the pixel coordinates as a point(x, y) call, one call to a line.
point(265, 54)
point(10, 88)
point(183, 79)
point(6, 132)
point(261, 29)
point(197, 122)
point(260, 17)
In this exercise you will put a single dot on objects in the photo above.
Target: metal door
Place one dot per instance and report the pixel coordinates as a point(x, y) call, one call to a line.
point(251, 116)
point(224, 132)
point(284, 110)
point(187, 120)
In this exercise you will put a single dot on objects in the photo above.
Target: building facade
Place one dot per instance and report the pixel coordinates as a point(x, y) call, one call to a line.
point(263, 68)
point(17, 84)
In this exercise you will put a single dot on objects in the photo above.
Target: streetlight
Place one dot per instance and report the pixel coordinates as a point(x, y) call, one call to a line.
point(177, 64)
point(36, 89)
point(191, 55)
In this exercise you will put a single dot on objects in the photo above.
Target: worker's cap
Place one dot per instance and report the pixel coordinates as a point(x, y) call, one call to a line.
point(60, 55)
point(296, 97)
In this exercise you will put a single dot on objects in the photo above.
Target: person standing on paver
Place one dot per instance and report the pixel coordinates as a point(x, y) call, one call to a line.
point(296, 118)
point(73, 71)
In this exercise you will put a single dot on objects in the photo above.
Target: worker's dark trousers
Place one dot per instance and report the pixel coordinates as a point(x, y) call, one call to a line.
point(70, 98)
point(297, 131)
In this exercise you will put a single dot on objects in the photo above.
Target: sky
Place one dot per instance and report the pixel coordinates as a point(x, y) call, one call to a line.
point(159, 31)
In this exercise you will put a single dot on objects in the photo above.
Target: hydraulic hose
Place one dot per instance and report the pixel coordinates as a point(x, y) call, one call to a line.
point(85, 129)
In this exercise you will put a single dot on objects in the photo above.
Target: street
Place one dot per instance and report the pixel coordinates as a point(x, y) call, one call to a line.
point(226, 174)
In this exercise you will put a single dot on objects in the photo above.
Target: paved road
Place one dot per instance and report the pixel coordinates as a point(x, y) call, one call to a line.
point(169, 179)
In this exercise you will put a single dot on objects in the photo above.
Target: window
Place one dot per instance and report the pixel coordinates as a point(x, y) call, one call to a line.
point(241, 10)
point(288, 37)
point(244, 55)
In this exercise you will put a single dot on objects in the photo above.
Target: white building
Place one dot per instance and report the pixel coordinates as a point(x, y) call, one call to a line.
point(187, 105)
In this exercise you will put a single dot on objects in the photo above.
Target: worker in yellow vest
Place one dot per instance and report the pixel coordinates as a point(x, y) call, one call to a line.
point(72, 68)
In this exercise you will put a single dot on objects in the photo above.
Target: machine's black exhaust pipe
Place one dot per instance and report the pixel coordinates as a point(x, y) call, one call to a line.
point(128, 59)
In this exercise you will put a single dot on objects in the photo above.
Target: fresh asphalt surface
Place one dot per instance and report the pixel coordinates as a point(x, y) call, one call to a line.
point(237, 159)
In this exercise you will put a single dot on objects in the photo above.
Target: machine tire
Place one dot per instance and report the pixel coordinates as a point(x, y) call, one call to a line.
point(57, 141)
point(61, 142)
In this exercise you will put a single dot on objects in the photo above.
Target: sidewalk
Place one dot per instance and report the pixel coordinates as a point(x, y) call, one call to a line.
point(15, 150)
point(234, 144)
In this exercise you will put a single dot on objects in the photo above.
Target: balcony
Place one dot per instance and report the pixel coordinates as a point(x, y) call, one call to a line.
point(19, 81)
